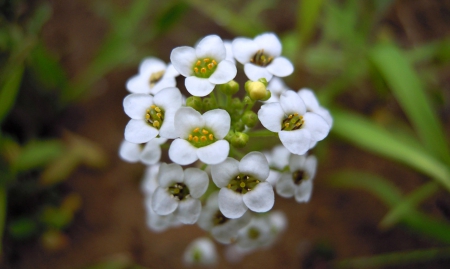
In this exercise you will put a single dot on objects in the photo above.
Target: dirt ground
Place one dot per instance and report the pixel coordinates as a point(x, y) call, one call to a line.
point(335, 224)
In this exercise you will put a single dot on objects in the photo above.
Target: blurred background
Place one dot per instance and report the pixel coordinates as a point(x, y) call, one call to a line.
point(381, 195)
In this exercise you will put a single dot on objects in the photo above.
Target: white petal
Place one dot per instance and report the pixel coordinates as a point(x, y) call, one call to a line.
point(231, 204)
point(169, 98)
point(188, 211)
point(285, 186)
point(280, 157)
point(255, 164)
point(135, 105)
point(198, 86)
point(151, 65)
point(244, 49)
point(280, 67)
point(138, 84)
point(171, 72)
point(215, 153)
point(129, 152)
point(162, 202)
point(291, 103)
point(151, 154)
point(311, 166)
point(196, 180)
point(223, 172)
point(138, 131)
point(255, 72)
point(186, 120)
point(219, 121)
point(225, 71)
point(182, 152)
point(170, 174)
point(304, 191)
point(183, 60)
point(316, 125)
point(168, 129)
point(273, 177)
point(270, 43)
point(162, 84)
point(271, 116)
point(211, 47)
point(325, 114)
point(297, 142)
point(261, 198)
point(309, 98)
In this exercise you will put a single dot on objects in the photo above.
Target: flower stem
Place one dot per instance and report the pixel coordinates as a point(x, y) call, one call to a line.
point(261, 133)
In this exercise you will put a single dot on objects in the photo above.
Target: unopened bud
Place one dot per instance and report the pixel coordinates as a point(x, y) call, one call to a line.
point(229, 88)
point(250, 119)
point(256, 90)
point(239, 140)
point(195, 102)
point(209, 104)
point(237, 104)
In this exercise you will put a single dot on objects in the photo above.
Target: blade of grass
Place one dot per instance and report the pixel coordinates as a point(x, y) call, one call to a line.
point(391, 197)
point(378, 140)
point(307, 14)
point(410, 201)
point(396, 258)
point(409, 91)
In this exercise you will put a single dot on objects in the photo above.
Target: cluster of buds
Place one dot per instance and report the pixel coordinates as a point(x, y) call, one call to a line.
point(227, 190)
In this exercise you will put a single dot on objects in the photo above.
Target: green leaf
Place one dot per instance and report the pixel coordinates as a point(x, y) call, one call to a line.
point(411, 201)
point(308, 12)
point(10, 85)
point(378, 140)
point(409, 91)
point(37, 154)
point(391, 197)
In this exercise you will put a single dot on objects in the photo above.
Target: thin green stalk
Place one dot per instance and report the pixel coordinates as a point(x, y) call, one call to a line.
point(396, 258)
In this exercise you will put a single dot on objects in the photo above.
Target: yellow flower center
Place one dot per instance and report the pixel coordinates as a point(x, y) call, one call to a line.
point(154, 116)
point(179, 191)
point(243, 183)
point(155, 78)
point(200, 137)
point(204, 68)
point(261, 59)
point(292, 122)
point(299, 176)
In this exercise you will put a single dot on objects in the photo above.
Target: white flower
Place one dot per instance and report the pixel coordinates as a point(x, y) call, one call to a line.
point(148, 154)
point(255, 235)
point(229, 50)
point(243, 185)
point(276, 87)
point(312, 105)
point(201, 136)
point(261, 57)
point(223, 229)
point(278, 160)
point(151, 116)
point(150, 180)
point(178, 192)
point(154, 75)
point(203, 66)
point(200, 252)
point(297, 129)
point(158, 223)
point(299, 182)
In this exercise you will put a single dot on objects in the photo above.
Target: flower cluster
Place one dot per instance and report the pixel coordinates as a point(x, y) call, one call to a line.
point(228, 189)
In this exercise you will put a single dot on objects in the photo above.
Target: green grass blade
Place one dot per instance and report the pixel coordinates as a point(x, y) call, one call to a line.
point(409, 91)
point(378, 140)
point(308, 12)
point(9, 89)
point(411, 201)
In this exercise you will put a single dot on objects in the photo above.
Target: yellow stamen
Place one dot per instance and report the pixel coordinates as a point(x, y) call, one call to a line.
point(196, 130)
point(290, 116)
point(195, 69)
point(210, 66)
point(195, 138)
point(286, 125)
point(211, 137)
point(214, 62)
point(152, 106)
point(203, 138)
point(147, 116)
point(242, 185)
point(206, 60)
point(205, 131)
point(229, 186)
point(156, 124)
point(198, 63)
point(190, 137)
point(203, 70)
point(159, 115)
point(158, 109)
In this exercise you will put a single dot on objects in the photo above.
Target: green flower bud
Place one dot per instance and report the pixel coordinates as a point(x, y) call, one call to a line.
point(195, 102)
point(239, 140)
point(209, 104)
point(263, 81)
point(239, 126)
point(250, 119)
point(256, 90)
point(229, 88)
point(237, 104)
